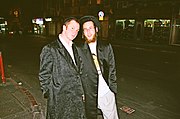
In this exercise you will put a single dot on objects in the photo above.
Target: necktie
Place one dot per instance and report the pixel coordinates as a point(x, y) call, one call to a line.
point(96, 63)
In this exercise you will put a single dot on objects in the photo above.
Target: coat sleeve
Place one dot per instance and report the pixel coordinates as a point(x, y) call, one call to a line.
point(112, 70)
point(45, 72)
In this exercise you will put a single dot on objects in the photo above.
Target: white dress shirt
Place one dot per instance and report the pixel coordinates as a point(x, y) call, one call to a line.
point(103, 88)
point(68, 47)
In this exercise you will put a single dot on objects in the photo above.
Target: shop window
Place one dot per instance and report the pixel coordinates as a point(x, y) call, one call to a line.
point(177, 32)
point(157, 30)
point(3, 25)
point(124, 29)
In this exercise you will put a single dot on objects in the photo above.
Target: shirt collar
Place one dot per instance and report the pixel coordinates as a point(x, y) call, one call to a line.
point(92, 47)
point(64, 42)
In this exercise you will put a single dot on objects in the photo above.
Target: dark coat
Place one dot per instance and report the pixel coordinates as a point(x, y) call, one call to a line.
point(61, 83)
point(107, 64)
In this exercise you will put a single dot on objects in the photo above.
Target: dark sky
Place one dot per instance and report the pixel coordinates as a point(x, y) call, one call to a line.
point(28, 7)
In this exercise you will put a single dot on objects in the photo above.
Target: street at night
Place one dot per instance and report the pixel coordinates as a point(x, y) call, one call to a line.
point(148, 76)
point(145, 37)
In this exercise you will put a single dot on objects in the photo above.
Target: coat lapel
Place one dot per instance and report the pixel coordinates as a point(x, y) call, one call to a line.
point(65, 54)
point(88, 55)
point(77, 58)
point(99, 52)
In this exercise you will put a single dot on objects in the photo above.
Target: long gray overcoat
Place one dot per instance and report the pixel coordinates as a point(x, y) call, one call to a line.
point(60, 81)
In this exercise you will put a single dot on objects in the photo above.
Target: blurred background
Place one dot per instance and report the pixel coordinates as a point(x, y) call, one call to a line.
point(147, 21)
point(145, 35)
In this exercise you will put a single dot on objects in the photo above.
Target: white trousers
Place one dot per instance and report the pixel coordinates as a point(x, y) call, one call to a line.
point(107, 104)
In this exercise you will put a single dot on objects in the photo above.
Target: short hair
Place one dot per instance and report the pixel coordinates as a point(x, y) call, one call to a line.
point(68, 19)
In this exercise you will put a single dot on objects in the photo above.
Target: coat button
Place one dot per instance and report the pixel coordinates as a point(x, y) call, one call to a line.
point(83, 98)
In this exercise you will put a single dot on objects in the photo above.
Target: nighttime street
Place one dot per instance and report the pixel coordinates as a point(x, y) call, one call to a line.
point(145, 36)
point(148, 76)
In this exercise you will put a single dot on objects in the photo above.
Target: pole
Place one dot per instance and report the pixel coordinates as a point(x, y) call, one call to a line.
point(2, 69)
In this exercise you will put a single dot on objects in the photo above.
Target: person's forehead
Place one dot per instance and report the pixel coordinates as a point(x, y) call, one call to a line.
point(73, 22)
point(88, 23)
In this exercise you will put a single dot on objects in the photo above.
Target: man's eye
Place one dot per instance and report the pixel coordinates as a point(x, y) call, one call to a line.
point(91, 28)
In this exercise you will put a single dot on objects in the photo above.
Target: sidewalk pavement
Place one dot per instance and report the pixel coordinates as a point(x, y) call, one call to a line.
point(17, 102)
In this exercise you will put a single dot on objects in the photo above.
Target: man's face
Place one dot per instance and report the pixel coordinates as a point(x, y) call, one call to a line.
point(71, 29)
point(89, 31)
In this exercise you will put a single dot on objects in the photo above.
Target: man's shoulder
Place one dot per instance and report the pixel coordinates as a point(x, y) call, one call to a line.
point(104, 42)
point(79, 43)
point(52, 44)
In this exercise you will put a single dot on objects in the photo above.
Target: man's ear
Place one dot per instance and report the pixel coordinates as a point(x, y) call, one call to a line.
point(96, 29)
point(64, 27)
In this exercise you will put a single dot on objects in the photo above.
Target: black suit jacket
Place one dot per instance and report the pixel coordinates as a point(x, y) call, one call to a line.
point(90, 80)
point(60, 81)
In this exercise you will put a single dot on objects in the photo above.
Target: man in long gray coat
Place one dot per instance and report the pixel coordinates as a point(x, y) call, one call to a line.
point(60, 75)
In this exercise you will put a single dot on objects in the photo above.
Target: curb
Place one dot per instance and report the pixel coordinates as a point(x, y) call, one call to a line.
point(33, 109)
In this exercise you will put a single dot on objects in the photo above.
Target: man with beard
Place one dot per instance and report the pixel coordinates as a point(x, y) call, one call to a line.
point(100, 73)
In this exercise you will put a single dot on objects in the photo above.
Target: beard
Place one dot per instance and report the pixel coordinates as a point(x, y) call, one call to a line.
point(90, 40)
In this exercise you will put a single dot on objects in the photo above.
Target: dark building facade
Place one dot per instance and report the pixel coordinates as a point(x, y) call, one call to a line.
point(149, 21)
